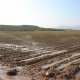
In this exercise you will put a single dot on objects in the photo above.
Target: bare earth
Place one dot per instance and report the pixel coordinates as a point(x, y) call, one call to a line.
point(39, 63)
point(55, 60)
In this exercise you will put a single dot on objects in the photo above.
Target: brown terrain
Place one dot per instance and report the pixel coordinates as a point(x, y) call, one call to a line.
point(56, 60)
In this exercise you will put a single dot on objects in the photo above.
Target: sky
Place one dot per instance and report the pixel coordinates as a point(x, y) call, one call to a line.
point(43, 13)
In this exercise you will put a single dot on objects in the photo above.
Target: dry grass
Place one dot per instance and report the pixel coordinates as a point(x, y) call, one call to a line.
point(49, 37)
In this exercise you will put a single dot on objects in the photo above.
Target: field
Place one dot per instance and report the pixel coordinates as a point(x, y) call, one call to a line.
point(40, 55)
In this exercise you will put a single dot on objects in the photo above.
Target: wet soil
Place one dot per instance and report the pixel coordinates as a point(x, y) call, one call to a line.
point(45, 63)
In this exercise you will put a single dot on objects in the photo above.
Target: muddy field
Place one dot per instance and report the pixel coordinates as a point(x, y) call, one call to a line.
point(40, 55)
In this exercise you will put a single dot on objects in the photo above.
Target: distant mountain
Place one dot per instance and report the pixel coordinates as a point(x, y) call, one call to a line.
point(25, 28)
point(70, 27)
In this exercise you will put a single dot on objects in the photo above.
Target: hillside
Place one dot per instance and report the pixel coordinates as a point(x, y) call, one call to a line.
point(17, 27)
point(25, 28)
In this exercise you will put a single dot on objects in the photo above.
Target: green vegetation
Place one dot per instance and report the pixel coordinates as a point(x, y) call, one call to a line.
point(25, 28)
point(18, 27)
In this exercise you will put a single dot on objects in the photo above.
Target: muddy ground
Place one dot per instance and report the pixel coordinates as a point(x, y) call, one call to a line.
point(35, 62)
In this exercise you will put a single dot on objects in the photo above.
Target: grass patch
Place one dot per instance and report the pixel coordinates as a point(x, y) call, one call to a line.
point(48, 37)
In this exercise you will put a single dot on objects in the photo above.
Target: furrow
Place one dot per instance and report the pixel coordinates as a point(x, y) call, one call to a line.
point(62, 66)
point(47, 56)
point(63, 61)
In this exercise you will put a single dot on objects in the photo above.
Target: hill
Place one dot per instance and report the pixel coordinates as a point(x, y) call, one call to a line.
point(25, 28)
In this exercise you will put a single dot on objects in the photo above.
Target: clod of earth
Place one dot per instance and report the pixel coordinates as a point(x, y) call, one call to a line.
point(49, 74)
point(12, 72)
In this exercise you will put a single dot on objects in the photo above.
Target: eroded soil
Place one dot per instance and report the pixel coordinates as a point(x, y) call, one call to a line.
point(35, 62)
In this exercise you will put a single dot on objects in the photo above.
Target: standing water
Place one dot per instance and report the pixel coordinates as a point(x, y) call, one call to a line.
point(4, 76)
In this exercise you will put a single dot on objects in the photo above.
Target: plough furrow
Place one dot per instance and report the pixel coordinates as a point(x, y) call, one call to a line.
point(63, 61)
point(47, 56)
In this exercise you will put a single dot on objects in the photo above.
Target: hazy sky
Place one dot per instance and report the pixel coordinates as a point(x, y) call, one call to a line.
point(45, 13)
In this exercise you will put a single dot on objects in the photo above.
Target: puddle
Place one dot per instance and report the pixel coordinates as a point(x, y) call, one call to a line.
point(77, 74)
point(34, 47)
point(4, 76)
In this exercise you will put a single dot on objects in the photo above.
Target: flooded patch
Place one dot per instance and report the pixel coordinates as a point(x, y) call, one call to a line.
point(34, 47)
point(77, 74)
point(4, 76)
